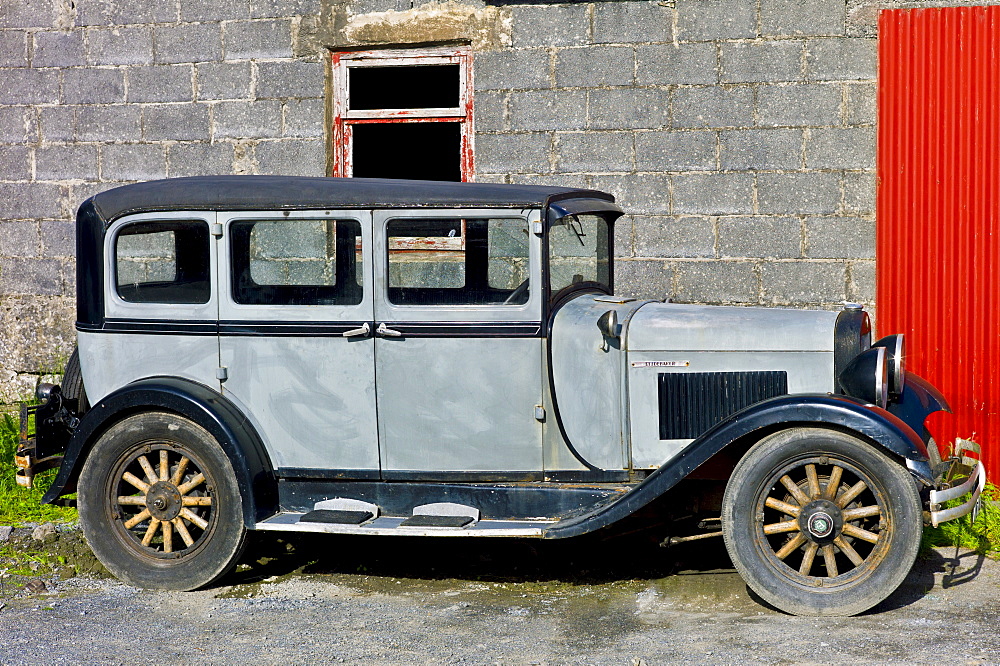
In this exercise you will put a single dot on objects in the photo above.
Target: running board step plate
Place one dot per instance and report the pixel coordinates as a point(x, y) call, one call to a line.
point(390, 525)
point(337, 516)
point(427, 520)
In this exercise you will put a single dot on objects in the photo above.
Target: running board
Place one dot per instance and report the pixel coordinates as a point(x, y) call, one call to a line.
point(388, 525)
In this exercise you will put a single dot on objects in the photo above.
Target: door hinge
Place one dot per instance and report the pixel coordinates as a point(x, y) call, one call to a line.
point(539, 413)
point(537, 228)
point(222, 373)
point(216, 228)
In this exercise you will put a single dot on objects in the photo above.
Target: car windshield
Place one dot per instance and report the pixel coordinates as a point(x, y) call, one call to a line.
point(579, 251)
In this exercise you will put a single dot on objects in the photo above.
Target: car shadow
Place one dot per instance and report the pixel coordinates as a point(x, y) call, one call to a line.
point(959, 567)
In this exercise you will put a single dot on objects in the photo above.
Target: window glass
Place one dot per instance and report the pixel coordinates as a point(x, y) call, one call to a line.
point(578, 251)
point(296, 262)
point(163, 262)
point(455, 261)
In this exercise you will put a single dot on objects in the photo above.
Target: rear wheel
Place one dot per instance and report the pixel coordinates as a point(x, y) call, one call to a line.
point(820, 523)
point(159, 503)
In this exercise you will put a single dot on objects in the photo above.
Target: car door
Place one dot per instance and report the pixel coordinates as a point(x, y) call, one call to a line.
point(295, 341)
point(459, 343)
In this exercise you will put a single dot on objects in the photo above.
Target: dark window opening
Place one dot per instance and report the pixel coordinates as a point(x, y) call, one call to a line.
point(163, 262)
point(409, 87)
point(425, 151)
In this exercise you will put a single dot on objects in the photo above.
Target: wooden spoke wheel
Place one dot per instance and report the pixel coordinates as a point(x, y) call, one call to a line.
point(159, 503)
point(821, 523)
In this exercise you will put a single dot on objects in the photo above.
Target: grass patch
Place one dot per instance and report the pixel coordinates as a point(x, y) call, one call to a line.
point(23, 505)
point(982, 536)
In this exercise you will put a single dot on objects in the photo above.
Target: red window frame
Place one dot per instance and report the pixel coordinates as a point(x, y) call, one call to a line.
point(344, 119)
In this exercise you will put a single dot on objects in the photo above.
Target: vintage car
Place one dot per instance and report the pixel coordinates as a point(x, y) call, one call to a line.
point(377, 357)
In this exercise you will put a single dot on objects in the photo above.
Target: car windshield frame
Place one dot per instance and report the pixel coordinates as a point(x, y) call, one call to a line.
point(603, 253)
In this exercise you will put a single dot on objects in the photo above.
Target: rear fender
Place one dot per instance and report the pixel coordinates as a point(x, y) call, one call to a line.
point(254, 473)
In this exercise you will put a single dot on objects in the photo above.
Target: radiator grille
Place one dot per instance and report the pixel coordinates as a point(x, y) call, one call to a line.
point(693, 402)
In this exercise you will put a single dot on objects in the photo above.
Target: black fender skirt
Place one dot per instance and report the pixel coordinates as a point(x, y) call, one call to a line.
point(844, 413)
point(254, 473)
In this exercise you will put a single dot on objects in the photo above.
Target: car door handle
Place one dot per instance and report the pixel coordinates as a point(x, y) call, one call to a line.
point(387, 332)
point(365, 331)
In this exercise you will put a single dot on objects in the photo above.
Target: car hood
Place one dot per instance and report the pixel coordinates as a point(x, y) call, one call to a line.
point(679, 327)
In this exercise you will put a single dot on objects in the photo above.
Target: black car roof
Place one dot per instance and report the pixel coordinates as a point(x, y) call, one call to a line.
point(299, 192)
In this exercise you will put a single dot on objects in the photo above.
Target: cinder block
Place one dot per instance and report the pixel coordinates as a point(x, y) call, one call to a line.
point(305, 118)
point(30, 201)
point(58, 49)
point(66, 163)
point(674, 237)
point(664, 64)
point(644, 278)
point(628, 108)
point(720, 282)
point(507, 69)
point(18, 124)
point(293, 78)
point(108, 123)
point(841, 148)
point(840, 59)
point(292, 157)
point(58, 123)
point(550, 25)
point(175, 122)
point(713, 107)
point(258, 39)
point(624, 236)
point(798, 193)
point(110, 13)
point(132, 161)
point(91, 85)
point(241, 120)
point(713, 194)
point(199, 42)
point(775, 237)
point(861, 283)
point(548, 110)
point(710, 20)
point(840, 238)
point(593, 151)
point(798, 105)
point(861, 104)
point(58, 238)
point(761, 149)
point(15, 163)
point(214, 10)
point(28, 14)
point(223, 80)
point(490, 111)
point(120, 46)
point(13, 48)
point(675, 151)
point(31, 277)
point(513, 153)
point(161, 83)
point(764, 61)
point(282, 8)
point(859, 193)
point(30, 86)
point(632, 22)
point(19, 239)
point(642, 194)
point(783, 18)
point(199, 159)
point(592, 66)
point(801, 282)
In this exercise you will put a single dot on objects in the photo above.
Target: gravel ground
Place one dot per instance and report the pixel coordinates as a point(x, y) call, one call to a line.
point(340, 599)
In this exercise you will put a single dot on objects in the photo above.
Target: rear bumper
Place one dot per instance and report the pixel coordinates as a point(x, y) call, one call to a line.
point(961, 475)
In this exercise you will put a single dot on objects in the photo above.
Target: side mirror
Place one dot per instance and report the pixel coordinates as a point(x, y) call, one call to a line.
point(608, 324)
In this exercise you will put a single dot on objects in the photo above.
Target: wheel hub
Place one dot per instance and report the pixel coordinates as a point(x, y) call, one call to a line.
point(163, 501)
point(821, 521)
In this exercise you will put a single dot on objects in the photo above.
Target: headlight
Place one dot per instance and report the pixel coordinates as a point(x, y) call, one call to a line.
point(894, 348)
point(44, 391)
point(867, 376)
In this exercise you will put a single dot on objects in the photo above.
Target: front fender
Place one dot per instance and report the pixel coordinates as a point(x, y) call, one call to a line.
point(844, 413)
point(254, 473)
point(918, 400)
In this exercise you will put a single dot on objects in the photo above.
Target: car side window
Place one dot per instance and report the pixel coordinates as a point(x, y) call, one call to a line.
point(458, 261)
point(163, 262)
point(296, 262)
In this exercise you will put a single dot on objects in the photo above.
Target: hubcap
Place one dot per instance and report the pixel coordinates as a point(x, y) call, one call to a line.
point(821, 520)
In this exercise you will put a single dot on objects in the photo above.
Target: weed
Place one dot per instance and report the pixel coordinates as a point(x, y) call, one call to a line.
point(23, 505)
point(981, 535)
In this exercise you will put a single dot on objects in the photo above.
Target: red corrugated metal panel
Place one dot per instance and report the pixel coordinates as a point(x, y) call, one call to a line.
point(938, 247)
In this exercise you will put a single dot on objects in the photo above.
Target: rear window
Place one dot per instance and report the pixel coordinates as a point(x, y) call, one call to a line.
point(163, 262)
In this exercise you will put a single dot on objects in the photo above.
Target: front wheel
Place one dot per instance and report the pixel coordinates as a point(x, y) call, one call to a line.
point(159, 503)
point(820, 523)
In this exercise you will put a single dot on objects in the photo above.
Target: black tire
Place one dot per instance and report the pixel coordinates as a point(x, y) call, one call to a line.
point(198, 534)
point(72, 384)
point(821, 532)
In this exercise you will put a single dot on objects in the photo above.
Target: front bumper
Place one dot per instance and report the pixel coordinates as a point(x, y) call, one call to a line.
point(958, 476)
